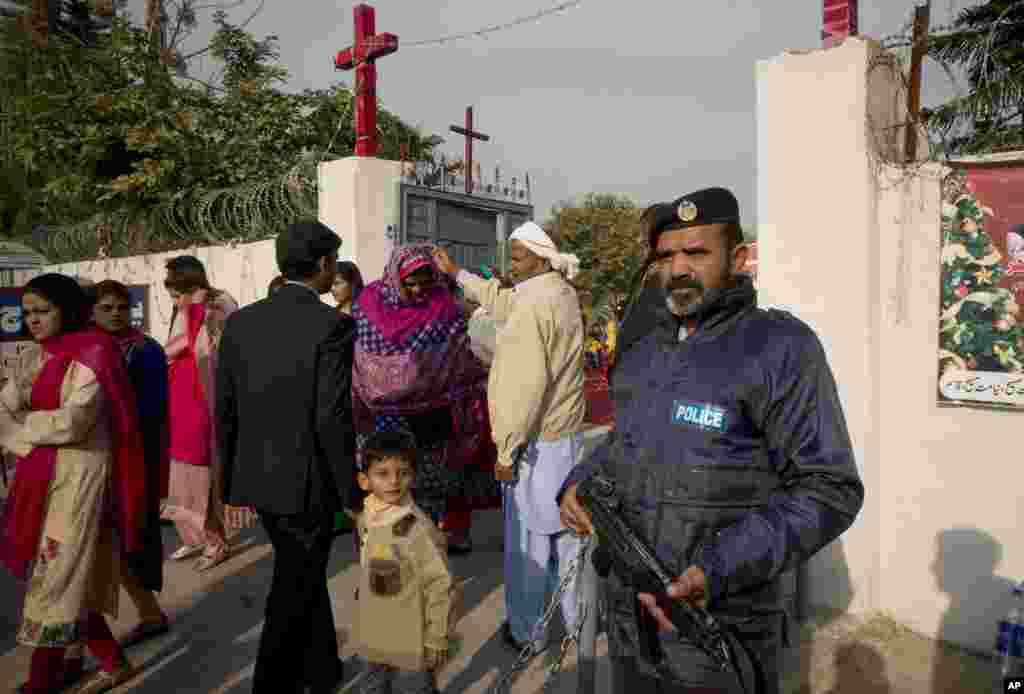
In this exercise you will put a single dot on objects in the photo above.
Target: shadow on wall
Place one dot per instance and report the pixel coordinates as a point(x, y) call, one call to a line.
point(824, 594)
point(964, 569)
point(860, 669)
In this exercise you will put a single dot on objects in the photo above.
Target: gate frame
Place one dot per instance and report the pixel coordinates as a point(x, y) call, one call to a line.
point(503, 208)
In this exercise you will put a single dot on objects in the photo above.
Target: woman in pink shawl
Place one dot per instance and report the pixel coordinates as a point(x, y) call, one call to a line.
point(414, 372)
point(194, 502)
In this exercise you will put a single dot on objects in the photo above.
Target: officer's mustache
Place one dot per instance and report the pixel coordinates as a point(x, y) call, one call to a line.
point(681, 283)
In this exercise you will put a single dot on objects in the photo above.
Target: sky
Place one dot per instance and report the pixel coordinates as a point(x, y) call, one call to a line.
point(648, 98)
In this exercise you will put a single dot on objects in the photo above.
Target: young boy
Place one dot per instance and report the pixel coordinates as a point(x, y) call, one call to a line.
point(405, 590)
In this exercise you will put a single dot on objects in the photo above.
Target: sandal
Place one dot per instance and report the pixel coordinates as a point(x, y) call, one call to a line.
point(207, 562)
point(186, 551)
point(145, 631)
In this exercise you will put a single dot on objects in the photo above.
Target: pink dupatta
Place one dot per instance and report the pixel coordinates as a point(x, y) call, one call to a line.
point(192, 364)
point(191, 424)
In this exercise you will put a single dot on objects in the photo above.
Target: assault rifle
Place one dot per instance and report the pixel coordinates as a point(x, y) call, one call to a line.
point(621, 549)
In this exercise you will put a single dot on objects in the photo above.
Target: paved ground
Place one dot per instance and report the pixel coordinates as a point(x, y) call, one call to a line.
point(217, 619)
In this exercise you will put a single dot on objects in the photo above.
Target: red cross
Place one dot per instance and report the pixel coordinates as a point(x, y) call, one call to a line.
point(368, 46)
point(840, 21)
point(470, 135)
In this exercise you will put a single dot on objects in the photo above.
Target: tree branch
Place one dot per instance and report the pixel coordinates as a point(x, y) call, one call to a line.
point(204, 83)
point(179, 21)
point(220, 6)
point(259, 8)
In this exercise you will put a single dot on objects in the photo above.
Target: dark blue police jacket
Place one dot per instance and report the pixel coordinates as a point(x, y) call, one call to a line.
point(730, 447)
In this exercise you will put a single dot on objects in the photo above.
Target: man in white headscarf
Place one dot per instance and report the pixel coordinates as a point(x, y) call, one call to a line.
point(535, 395)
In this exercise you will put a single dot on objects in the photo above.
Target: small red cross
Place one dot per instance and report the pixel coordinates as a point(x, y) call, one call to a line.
point(839, 21)
point(470, 135)
point(368, 46)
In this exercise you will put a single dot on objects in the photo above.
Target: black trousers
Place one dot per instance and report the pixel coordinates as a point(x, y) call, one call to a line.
point(299, 646)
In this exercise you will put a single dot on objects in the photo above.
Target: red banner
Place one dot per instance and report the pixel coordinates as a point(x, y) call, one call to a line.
point(981, 315)
point(1001, 190)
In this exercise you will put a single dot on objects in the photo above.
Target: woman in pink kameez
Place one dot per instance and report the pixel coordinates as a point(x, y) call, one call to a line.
point(194, 502)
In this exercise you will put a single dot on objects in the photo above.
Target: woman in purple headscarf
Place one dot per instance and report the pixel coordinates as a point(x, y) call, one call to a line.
point(414, 372)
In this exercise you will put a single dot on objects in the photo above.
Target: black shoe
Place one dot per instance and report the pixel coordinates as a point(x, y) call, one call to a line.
point(509, 640)
point(459, 545)
point(331, 684)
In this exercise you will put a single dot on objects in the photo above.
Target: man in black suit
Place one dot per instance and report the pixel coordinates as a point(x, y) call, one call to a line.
point(284, 419)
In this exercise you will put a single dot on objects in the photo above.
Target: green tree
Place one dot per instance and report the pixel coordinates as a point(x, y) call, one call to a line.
point(111, 151)
point(986, 44)
point(603, 231)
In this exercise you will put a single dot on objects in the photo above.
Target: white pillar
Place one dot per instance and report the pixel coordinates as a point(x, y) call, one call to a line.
point(822, 117)
point(359, 199)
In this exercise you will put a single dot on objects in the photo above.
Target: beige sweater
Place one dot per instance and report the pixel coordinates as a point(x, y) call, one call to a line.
point(535, 389)
point(406, 591)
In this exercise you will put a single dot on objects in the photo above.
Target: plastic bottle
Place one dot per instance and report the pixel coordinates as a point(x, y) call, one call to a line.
point(1010, 642)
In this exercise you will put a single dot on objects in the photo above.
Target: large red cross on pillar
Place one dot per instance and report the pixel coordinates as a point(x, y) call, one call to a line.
point(367, 47)
point(470, 135)
point(839, 21)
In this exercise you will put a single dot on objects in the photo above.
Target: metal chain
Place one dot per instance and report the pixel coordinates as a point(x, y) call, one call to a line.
point(574, 572)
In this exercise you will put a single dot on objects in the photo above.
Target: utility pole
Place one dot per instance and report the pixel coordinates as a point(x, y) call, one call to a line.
point(922, 21)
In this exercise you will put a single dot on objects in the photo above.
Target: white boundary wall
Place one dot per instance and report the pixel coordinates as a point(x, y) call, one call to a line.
point(853, 248)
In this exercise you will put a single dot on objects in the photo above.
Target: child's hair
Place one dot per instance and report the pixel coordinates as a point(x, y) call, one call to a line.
point(388, 444)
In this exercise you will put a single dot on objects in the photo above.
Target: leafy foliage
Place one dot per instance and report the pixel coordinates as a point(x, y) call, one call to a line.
point(602, 230)
point(987, 44)
point(107, 150)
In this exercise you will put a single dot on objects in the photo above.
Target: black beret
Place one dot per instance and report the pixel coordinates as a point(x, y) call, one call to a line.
point(708, 206)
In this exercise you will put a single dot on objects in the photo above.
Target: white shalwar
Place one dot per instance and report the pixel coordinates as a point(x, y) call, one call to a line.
point(538, 548)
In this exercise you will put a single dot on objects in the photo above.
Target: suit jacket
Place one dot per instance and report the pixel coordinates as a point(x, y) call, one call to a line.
point(284, 405)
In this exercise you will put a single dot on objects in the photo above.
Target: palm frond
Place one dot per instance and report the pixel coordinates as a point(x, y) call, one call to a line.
point(987, 46)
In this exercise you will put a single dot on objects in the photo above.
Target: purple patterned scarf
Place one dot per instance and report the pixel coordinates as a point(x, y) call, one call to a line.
point(412, 358)
point(388, 324)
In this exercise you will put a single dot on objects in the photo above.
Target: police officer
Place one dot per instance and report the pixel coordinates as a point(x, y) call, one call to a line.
point(730, 451)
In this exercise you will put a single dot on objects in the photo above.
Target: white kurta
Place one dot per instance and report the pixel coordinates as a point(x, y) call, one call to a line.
point(542, 470)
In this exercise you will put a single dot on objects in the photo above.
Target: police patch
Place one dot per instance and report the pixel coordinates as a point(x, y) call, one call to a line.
point(702, 415)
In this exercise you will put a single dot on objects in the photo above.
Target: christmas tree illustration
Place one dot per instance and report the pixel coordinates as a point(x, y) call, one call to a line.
point(978, 324)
